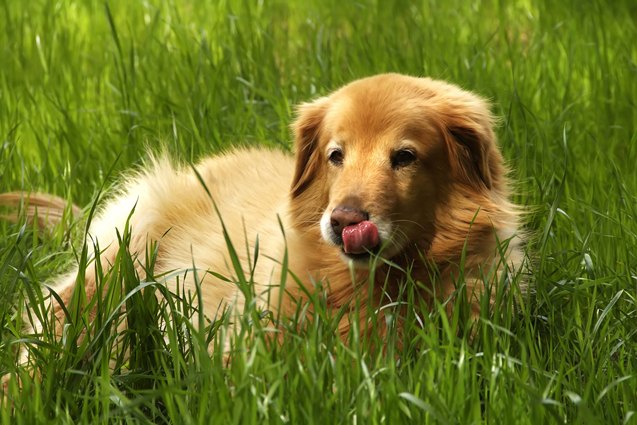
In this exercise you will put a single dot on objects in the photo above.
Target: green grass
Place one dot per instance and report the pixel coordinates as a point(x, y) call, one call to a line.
point(86, 88)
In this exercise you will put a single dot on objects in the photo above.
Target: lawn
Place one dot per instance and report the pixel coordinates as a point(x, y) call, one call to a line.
point(88, 88)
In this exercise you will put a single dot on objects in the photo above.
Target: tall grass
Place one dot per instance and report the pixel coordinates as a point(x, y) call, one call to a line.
point(86, 88)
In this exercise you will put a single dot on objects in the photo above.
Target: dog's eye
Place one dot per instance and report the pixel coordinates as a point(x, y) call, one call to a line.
point(402, 158)
point(335, 156)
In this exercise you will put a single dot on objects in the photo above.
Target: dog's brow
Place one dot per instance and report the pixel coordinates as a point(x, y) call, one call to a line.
point(334, 143)
point(407, 144)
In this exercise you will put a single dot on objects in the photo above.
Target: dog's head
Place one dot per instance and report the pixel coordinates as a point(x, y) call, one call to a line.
point(376, 160)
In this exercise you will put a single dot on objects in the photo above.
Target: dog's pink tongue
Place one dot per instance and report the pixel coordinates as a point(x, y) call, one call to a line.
point(360, 237)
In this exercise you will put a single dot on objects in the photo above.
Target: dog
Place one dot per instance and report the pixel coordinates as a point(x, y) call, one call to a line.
point(390, 172)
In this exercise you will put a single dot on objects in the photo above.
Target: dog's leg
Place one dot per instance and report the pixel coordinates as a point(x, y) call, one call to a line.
point(118, 217)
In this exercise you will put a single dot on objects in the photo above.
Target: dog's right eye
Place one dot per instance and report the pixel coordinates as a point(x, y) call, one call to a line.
point(335, 156)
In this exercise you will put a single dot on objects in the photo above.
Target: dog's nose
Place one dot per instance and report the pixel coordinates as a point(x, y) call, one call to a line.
point(346, 216)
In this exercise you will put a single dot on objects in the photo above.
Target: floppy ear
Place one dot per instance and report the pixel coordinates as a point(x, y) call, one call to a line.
point(469, 135)
point(306, 138)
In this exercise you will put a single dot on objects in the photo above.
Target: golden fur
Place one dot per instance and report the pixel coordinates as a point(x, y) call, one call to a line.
point(452, 196)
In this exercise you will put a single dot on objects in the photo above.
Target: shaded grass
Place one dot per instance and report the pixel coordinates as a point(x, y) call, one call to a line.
point(86, 88)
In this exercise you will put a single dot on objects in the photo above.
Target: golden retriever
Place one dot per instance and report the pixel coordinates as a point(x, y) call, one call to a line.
point(391, 166)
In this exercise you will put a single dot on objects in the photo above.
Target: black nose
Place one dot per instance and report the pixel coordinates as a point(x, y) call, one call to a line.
point(346, 216)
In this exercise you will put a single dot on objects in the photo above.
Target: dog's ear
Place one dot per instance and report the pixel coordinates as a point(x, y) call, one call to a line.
point(306, 130)
point(468, 130)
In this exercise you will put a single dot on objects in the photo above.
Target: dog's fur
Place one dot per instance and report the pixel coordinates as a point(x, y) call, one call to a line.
point(442, 206)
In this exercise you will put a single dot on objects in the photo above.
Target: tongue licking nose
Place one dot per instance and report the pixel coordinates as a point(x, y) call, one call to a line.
point(360, 237)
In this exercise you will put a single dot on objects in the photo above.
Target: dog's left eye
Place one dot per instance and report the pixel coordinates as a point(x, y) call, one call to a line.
point(402, 158)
